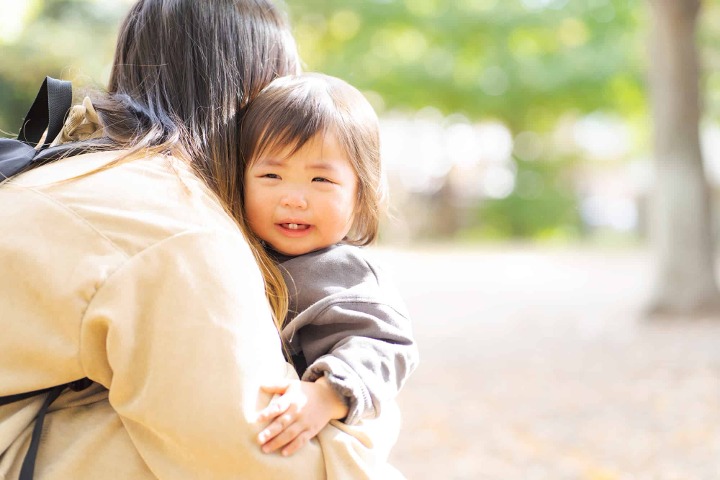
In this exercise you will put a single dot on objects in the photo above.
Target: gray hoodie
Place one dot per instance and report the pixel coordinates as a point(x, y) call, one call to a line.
point(348, 322)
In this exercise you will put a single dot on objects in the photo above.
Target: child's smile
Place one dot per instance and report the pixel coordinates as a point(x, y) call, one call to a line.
point(294, 230)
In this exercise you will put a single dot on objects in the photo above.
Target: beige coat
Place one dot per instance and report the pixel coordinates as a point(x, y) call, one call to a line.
point(137, 279)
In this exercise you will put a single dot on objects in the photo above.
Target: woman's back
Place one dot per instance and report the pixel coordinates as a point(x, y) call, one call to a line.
point(136, 278)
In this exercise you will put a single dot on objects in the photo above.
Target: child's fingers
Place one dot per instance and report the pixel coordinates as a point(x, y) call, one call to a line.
point(277, 406)
point(297, 443)
point(271, 411)
point(278, 387)
point(277, 426)
point(282, 439)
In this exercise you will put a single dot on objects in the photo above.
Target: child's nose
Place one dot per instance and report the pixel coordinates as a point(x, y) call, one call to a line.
point(294, 198)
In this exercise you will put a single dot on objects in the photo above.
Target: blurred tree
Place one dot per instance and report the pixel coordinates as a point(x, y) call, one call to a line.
point(534, 209)
point(525, 62)
point(682, 228)
point(69, 39)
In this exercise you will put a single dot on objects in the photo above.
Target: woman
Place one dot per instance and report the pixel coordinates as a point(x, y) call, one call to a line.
point(126, 265)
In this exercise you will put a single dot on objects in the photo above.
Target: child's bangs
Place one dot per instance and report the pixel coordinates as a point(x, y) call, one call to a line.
point(296, 119)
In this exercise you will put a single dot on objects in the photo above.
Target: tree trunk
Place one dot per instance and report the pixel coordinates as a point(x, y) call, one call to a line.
point(681, 226)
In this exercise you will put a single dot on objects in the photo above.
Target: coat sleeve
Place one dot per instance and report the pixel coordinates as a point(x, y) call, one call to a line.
point(182, 337)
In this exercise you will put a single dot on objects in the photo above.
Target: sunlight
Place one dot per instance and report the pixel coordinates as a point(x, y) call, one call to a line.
point(13, 19)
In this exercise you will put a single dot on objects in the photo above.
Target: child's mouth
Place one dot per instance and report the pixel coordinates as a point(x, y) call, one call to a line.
point(295, 226)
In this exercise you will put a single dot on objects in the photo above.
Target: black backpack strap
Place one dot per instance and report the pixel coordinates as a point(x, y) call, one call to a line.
point(47, 112)
point(28, 467)
point(15, 156)
point(22, 396)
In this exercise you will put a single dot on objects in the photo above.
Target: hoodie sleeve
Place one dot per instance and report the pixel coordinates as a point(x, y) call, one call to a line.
point(369, 364)
point(352, 328)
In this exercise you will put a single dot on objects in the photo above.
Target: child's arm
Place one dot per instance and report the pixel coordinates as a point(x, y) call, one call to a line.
point(298, 414)
point(368, 370)
point(353, 328)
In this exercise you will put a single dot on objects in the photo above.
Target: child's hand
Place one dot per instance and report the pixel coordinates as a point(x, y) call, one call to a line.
point(302, 410)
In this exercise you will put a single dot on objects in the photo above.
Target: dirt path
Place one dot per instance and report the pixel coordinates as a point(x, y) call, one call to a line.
point(535, 365)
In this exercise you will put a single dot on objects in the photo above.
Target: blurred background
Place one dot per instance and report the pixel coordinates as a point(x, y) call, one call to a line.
point(554, 168)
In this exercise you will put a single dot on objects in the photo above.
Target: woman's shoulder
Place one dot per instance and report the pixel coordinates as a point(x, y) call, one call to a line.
point(133, 202)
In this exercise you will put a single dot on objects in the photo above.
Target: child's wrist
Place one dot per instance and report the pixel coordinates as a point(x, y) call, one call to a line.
point(339, 406)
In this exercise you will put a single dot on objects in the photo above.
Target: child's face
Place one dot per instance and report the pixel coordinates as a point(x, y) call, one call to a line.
point(302, 202)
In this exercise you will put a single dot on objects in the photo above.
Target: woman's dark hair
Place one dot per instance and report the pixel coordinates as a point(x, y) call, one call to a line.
point(184, 70)
point(183, 73)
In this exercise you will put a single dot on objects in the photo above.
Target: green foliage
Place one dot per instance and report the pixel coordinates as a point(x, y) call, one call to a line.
point(525, 63)
point(710, 55)
point(522, 62)
point(481, 58)
point(541, 205)
point(69, 39)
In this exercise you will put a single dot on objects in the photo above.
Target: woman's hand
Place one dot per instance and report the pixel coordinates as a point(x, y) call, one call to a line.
point(301, 411)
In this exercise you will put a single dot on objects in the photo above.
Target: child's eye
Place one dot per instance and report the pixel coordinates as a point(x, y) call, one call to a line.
point(321, 179)
point(270, 175)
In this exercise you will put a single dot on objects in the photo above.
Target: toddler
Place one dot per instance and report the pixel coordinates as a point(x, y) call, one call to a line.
point(313, 190)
